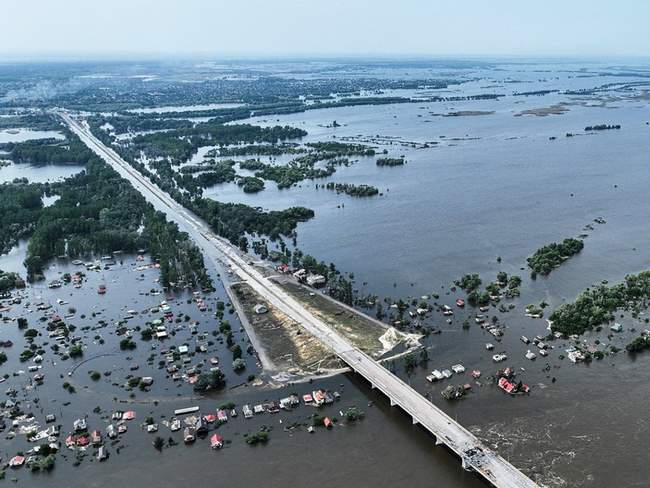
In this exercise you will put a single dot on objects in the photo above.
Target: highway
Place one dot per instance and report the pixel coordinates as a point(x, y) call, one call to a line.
point(473, 455)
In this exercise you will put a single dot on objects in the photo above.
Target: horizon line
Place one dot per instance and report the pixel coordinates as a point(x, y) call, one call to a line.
point(63, 56)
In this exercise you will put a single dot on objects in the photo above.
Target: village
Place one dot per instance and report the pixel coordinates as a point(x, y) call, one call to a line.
point(86, 337)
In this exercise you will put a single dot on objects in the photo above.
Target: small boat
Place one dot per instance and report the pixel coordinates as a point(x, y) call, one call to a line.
point(489, 346)
point(543, 352)
point(151, 428)
point(525, 340)
point(530, 355)
point(310, 429)
point(460, 303)
point(216, 441)
point(111, 432)
point(446, 373)
point(497, 358)
point(175, 425)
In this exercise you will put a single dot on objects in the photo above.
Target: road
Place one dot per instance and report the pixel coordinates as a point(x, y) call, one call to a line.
point(473, 455)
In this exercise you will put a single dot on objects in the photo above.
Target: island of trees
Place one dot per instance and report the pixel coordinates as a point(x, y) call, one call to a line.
point(353, 190)
point(602, 127)
point(596, 306)
point(552, 255)
point(505, 286)
point(390, 161)
point(639, 344)
point(250, 184)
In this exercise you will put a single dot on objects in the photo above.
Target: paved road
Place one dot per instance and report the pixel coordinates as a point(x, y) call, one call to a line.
point(447, 431)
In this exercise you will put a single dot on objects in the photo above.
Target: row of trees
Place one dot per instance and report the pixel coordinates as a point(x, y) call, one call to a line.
point(353, 190)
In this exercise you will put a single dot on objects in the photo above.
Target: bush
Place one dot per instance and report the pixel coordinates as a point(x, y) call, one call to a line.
point(261, 437)
point(238, 364)
point(31, 333)
point(127, 344)
point(75, 351)
point(236, 351)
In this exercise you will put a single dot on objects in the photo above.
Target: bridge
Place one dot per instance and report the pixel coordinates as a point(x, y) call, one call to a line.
point(472, 453)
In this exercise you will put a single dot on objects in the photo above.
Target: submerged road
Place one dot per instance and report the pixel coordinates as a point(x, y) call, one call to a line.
point(472, 453)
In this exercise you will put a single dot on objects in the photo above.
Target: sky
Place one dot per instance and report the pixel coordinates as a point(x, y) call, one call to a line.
point(280, 28)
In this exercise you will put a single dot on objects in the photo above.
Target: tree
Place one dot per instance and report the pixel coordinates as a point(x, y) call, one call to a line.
point(502, 277)
point(211, 380)
point(380, 312)
point(424, 355)
point(410, 361)
point(236, 351)
point(158, 443)
point(127, 344)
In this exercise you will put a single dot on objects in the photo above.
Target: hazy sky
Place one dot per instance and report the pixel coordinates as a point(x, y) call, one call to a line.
point(325, 27)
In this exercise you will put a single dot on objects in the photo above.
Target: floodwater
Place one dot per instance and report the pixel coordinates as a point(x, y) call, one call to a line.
point(184, 108)
point(499, 185)
point(38, 174)
point(493, 185)
point(23, 135)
